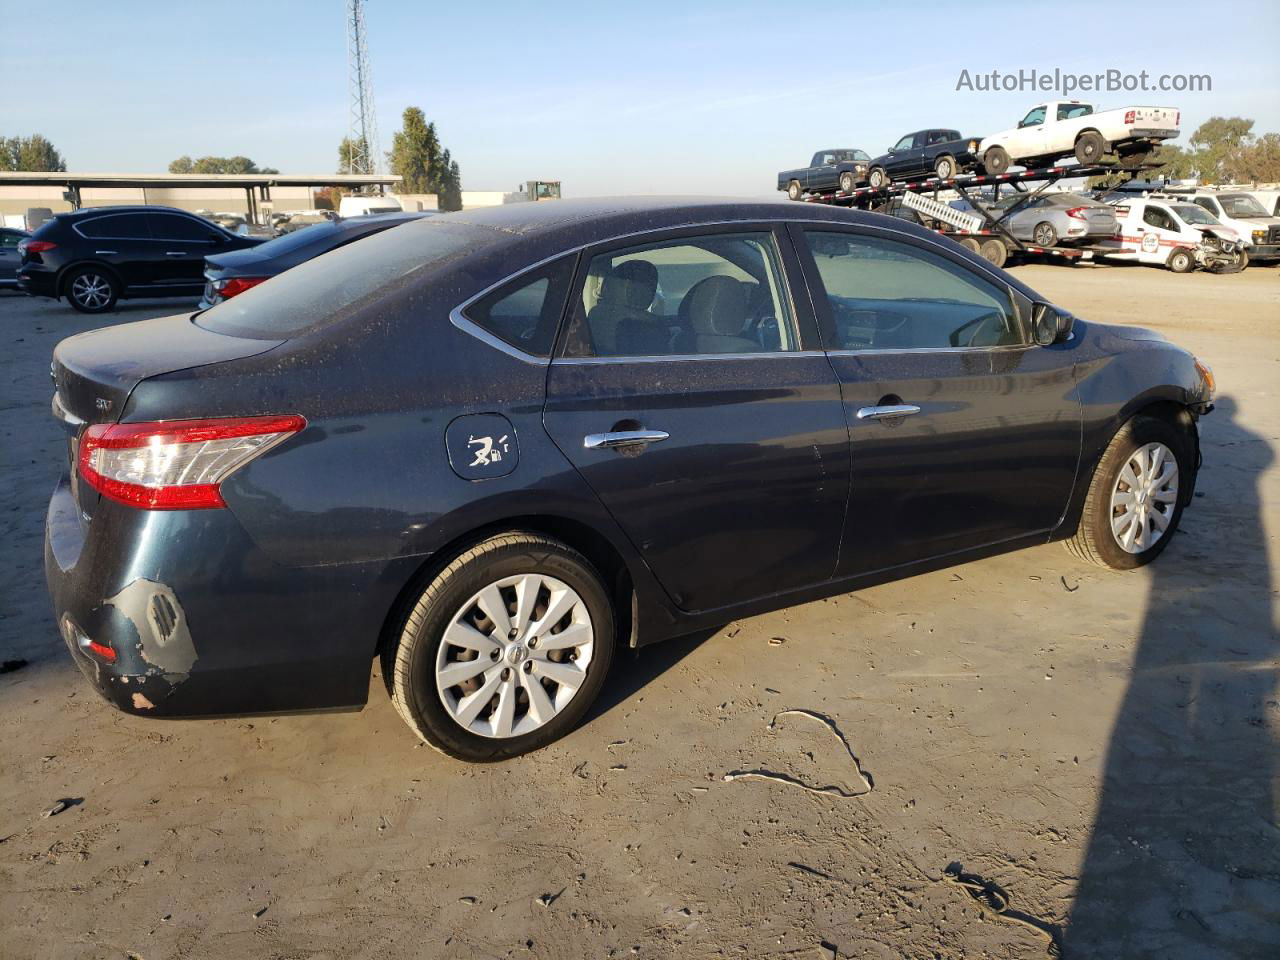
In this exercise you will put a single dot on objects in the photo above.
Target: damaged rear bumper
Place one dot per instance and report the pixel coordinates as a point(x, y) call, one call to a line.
point(179, 613)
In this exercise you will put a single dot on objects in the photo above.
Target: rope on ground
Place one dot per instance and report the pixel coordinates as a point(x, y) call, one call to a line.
point(830, 791)
point(995, 902)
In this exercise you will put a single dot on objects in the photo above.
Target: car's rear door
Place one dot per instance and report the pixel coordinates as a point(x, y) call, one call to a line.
point(962, 434)
point(690, 392)
point(123, 242)
point(181, 244)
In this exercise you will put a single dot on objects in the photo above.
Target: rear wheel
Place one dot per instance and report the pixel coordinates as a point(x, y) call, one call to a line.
point(1134, 501)
point(945, 168)
point(971, 244)
point(996, 160)
point(794, 190)
point(91, 290)
point(505, 649)
point(1044, 234)
point(1181, 261)
point(994, 252)
point(1090, 147)
point(847, 182)
point(877, 178)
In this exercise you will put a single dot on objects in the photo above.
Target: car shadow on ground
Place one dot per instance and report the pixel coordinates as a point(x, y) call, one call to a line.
point(633, 670)
point(1184, 857)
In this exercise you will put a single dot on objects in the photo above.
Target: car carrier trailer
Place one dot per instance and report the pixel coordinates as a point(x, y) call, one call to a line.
point(980, 230)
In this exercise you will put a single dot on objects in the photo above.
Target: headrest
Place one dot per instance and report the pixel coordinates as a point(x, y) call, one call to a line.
point(718, 305)
point(633, 283)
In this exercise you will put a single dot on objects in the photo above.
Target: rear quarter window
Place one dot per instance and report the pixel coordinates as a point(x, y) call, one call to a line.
point(525, 312)
point(322, 291)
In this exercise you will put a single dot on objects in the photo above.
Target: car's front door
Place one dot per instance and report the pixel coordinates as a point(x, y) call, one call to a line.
point(1159, 233)
point(904, 160)
point(962, 434)
point(181, 245)
point(691, 393)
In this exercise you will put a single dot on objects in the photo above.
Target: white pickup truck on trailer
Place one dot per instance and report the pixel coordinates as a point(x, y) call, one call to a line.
point(1062, 128)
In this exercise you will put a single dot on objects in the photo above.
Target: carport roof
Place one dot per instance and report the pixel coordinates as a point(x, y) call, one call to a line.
point(159, 180)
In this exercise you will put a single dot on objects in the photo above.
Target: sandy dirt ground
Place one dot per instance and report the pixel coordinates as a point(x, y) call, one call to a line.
point(1101, 746)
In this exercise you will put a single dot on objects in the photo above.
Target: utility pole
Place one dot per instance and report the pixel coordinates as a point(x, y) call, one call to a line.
point(364, 151)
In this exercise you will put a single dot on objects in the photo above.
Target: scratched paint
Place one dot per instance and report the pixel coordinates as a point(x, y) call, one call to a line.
point(154, 610)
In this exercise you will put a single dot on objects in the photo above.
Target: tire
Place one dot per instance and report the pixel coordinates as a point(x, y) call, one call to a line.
point(1235, 266)
point(1090, 147)
point(91, 289)
point(971, 244)
point(944, 167)
point(1044, 234)
point(451, 602)
point(877, 178)
point(994, 252)
point(794, 190)
point(1095, 540)
point(995, 160)
point(848, 181)
point(1180, 261)
point(1135, 158)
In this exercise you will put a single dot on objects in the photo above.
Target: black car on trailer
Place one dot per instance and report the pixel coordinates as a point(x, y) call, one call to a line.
point(936, 152)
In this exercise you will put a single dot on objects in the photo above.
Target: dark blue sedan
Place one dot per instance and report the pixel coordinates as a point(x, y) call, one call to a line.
point(496, 447)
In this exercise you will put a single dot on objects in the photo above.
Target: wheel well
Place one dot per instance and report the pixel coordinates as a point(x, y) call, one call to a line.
point(581, 537)
point(72, 268)
point(1089, 130)
point(943, 156)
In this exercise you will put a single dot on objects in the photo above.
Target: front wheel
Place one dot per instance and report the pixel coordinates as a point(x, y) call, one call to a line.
point(505, 649)
point(847, 182)
point(1135, 499)
point(91, 290)
point(794, 190)
point(1181, 261)
point(877, 178)
point(996, 160)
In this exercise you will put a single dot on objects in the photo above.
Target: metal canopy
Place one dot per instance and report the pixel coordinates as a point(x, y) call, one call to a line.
point(162, 180)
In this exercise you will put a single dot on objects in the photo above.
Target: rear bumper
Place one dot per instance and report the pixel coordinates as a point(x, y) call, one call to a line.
point(37, 281)
point(200, 621)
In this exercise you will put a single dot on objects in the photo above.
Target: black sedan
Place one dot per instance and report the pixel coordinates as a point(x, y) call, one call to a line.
point(97, 256)
point(229, 274)
point(495, 448)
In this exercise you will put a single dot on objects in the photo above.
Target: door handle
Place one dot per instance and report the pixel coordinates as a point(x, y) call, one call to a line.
point(888, 411)
point(175, 253)
point(622, 438)
point(104, 253)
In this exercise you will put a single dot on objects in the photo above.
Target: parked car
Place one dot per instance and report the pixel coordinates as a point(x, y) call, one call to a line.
point(10, 237)
point(230, 274)
point(937, 152)
point(1269, 199)
point(480, 447)
point(364, 206)
point(1175, 233)
point(1063, 128)
point(840, 168)
point(306, 218)
point(1258, 230)
point(1053, 218)
point(97, 256)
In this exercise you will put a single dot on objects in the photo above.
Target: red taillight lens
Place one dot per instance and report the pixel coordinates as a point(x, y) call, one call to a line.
point(1129, 116)
point(176, 464)
point(230, 287)
point(36, 246)
point(1077, 213)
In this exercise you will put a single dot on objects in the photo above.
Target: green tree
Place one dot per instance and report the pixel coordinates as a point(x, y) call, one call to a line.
point(185, 164)
point(417, 156)
point(1258, 162)
point(33, 154)
point(1216, 142)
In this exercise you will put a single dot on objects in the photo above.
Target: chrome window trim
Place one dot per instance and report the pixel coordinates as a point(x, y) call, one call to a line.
point(681, 357)
point(459, 319)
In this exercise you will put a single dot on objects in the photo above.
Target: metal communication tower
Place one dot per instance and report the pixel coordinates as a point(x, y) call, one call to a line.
point(365, 151)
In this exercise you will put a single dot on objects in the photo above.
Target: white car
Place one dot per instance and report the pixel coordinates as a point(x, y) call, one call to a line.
point(1173, 232)
point(1062, 128)
point(1259, 232)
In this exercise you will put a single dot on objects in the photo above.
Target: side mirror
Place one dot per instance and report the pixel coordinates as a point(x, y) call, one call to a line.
point(1049, 325)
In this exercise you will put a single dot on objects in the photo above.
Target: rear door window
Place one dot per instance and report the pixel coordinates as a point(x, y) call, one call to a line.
point(117, 226)
point(171, 226)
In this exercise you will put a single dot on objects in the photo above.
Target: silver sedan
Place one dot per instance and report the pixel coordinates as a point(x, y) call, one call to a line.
point(1055, 219)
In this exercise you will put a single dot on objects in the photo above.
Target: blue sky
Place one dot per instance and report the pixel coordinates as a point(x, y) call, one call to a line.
point(653, 97)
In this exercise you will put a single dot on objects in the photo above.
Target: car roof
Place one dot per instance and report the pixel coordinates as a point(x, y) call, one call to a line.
point(130, 208)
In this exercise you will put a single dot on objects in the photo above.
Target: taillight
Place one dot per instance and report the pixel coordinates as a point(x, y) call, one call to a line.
point(1129, 116)
point(176, 464)
point(35, 246)
point(231, 286)
point(1077, 213)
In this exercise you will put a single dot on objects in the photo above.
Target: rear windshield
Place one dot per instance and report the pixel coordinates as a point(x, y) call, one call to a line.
point(320, 291)
point(296, 239)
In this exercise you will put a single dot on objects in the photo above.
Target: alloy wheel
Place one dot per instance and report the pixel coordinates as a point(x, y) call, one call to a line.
point(514, 655)
point(1144, 498)
point(91, 290)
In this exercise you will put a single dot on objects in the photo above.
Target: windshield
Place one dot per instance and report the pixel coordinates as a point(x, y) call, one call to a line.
point(320, 291)
point(1240, 205)
point(1190, 213)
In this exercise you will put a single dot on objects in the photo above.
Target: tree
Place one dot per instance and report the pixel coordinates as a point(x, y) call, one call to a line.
point(350, 154)
point(185, 164)
point(417, 156)
point(1216, 142)
point(1178, 163)
point(326, 198)
point(1258, 162)
point(33, 154)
